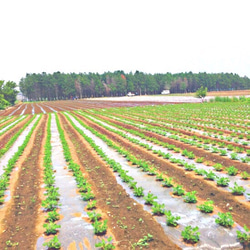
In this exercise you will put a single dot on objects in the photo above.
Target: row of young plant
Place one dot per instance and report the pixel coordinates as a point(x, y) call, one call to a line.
point(189, 112)
point(143, 114)
point(208, 175)
point(14, 137)
point(169, 131)
point(100, 227)
point(197, 141)
point(4, 123)
point(190, 234)
point(11, 124)
point(214, 140)
point(188, 154)
point(51, 202)
point(5, 177)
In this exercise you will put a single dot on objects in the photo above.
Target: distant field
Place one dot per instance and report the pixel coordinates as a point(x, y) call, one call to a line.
point(93, 171)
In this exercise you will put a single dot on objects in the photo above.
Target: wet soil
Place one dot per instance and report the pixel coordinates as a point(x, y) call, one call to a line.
point(190, 181)
point(113, 200)
point(22, 214)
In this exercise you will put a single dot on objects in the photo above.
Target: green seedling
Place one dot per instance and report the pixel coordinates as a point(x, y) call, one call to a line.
point(100, 227)
point(207, 206)
point(91, 204)
point(210, 175)
point(149, 199)
point(51, 228)
point(158, 209)
point(190, 197)
point(232, 170)
point(93, 216)
point(178, 190)
point(53, 244)
point(105, 245)
point(222, 181)
point(170, 219)
point(245, 175)
point(167, 182)
point(225, 219)
point(244, 237)
point(53, 216)
point(191, 234)
point(138, 191)
point(143, 242)
point(237, 190)
point(218, 167)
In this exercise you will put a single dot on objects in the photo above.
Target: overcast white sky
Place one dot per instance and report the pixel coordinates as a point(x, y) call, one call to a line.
point(156, 36)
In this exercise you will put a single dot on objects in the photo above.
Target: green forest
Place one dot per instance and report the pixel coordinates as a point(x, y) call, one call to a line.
point(8, 93)
point(57, 86)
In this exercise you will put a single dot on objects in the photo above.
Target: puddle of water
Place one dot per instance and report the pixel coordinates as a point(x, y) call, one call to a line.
point(212, 236)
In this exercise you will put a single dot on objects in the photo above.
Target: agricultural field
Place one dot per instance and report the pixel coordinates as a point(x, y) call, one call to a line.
point(125, 175)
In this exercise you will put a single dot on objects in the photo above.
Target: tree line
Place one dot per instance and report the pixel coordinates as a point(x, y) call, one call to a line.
point(8, 93)
point(59, 85)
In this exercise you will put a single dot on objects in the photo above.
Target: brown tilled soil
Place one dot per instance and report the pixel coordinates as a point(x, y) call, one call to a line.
point(205, 189)
point(8, 121)
point(19, 217)
point(7, 136)
point(213, 158)
point(122, 211)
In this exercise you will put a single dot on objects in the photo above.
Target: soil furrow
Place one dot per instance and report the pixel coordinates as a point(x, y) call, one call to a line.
point(190, 181)
point(114, 200)
point(225, 161)
point(10, 133)
point(22, 213)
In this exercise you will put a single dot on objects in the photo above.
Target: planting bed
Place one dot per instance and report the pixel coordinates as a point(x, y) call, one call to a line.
point(88, 174)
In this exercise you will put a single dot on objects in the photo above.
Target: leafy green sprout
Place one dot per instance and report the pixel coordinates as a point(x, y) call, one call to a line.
point(138, 191)
point(222, 181)
point(91, 204)
point(150, 198)
point(178, 190)
point(237, 190)
point(167, 182)
point(190, 197)
point(190, 234)
point(158, 209)
point(53, 243)
point(207, 206)
point(232, 170)
point(51, 228)
point(245, 175)
point(144, 241)
point(225, 219)
point(171, 220)
point(105, 245)
point(244, 237)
